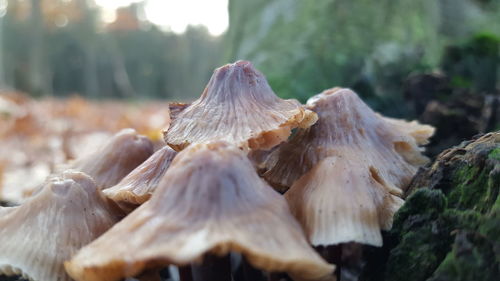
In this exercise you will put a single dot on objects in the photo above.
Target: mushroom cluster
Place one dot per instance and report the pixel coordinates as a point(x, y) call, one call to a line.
point(232, 188)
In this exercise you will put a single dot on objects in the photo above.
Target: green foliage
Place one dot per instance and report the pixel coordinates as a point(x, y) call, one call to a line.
point(304, 47)
point(474, 64)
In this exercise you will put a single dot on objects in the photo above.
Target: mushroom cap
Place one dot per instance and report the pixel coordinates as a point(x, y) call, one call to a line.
point(39, 235)
point(238, 106)
point(117, 158)
point(210, 201)
point(390, 145)
point(420, 132)
point(138, 186)
point(343, 199)
point(352, 166)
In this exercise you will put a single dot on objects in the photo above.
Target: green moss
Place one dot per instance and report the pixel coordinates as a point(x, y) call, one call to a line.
point(420, 222)
point(450, 232)
point(457, 219)
point(423, 205)
point(472, 189)
point(421, 250)
point(494, 154)
point(472, 258)
point(490, 227)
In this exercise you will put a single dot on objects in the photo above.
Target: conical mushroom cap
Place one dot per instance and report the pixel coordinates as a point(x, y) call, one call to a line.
point(38, 236)
point(239, 107)
point(343, 199)
point(356, 164)
point(117, 158)
point(209, 201)
point(137, 187)
point(346, 121)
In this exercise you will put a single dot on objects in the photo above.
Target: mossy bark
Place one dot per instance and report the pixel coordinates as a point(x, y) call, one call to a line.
point(449, 227)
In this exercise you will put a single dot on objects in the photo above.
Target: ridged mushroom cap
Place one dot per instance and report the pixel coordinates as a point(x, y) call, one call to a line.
point(343, 199)
point(345, 121)
point(117, 158)
point(210, 201)
point(138, 186)
point(348, 171)
point(39, 235)
point(108, 164)
point(238, 106)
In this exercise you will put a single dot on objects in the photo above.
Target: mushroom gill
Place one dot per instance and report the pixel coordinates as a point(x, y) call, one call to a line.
point(238, 106)
point(352, 167)
point(138, 186)
point(346, 122)
point(210, 201)
point(39, 235)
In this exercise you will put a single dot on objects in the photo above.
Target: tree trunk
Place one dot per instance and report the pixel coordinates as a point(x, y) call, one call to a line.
point(38, 80)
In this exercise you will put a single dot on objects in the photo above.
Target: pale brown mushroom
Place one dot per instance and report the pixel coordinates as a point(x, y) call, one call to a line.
point(138, 186)
point(343, 199)
point(117, 158)
point(352, 167)
point(111, 162)
point(238, 106)
point(210, 201)
point(38, 236)
point(345, 121)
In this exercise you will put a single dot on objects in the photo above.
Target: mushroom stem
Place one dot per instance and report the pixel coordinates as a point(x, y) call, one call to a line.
point(213, 268)
point(150, 275)
point(278, 277)
point(250, 273)
point(332, 254)
point(12, 278)
point(185, 273)
point(164, 273)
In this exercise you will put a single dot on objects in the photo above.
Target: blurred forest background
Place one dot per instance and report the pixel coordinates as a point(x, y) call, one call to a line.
point(74, 72)
point(431, 59)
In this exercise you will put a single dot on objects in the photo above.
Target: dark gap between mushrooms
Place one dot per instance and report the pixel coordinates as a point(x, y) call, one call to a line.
point(12, 278)
point(332, 254)
point(213, 268)
point(185, 273)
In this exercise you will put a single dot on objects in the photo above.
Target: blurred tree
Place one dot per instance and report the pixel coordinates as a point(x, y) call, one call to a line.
point(3, 11)
point(39, 83)
point(62, 47)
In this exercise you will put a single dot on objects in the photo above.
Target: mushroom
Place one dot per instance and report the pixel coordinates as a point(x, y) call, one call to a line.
point(238, 106)
point(38, 236)
point(119, 156)
point(352, 167)
point(346, 122)
point(111, 162)
point(137, 187)
point(210, 201)
point(421, 133)
point(175, 108)
point(343, 199)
